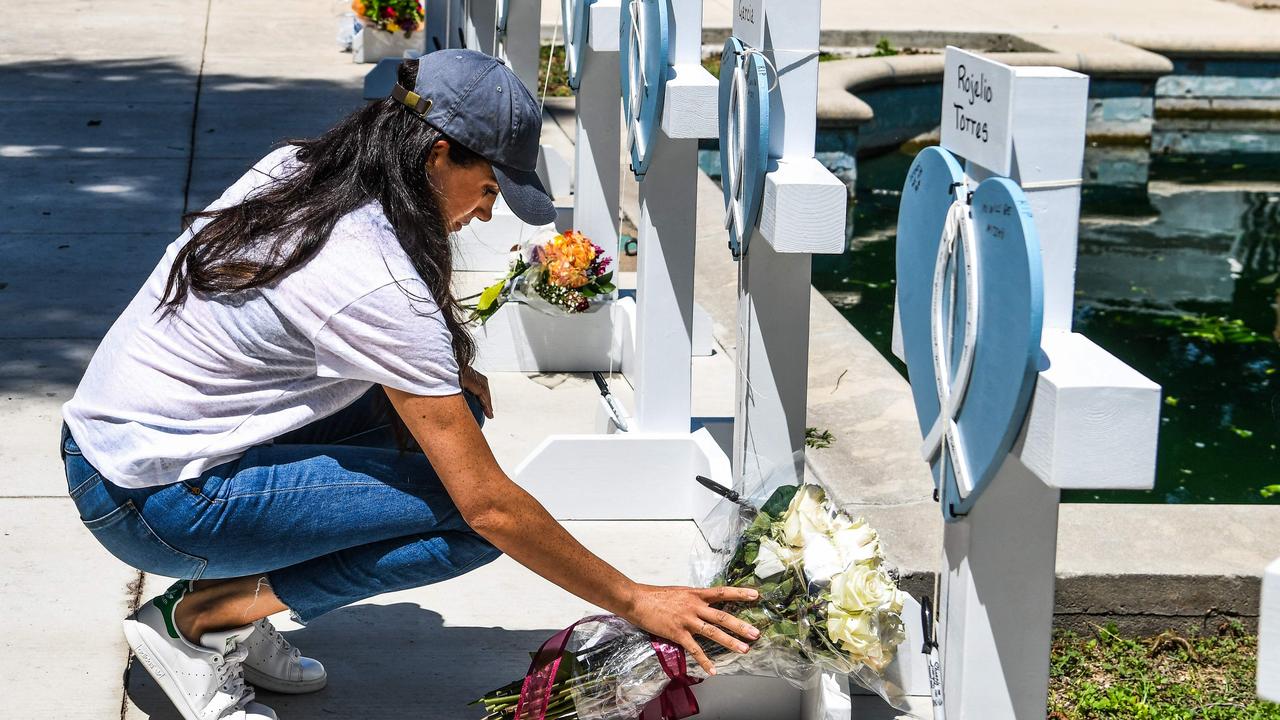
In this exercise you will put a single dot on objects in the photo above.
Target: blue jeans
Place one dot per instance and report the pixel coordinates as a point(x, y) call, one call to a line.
point(332, 513)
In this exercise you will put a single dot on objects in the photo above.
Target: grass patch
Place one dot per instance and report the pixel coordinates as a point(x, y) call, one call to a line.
point(1170, 676)
point(559, 85)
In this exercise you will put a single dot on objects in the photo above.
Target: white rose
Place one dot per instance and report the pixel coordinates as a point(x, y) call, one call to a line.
point(772, 559)
point(858, 635)
point(821, 559)
point(892, 631)
point(806, 516)
point(864, 589)
point(895, 605)
point(857, 542)
point(855, 633)
point(842, 522)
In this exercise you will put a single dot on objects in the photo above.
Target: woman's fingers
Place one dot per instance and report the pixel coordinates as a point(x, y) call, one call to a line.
point(725, 594)
point(712, 632)
point(739, 627)
point(695, 651)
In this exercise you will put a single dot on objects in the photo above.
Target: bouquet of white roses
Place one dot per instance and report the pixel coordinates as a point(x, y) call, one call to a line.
point(827, 602)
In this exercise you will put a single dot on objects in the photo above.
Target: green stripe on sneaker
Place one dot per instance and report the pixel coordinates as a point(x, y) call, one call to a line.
point(167, 602)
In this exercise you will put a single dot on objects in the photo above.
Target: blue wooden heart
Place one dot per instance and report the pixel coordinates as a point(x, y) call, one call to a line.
point(644, 35)
point(970, 405)
point(744, 139)
point(577, 18)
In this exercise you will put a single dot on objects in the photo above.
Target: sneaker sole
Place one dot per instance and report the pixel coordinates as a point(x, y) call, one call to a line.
point(283, 687)
point(156, 667)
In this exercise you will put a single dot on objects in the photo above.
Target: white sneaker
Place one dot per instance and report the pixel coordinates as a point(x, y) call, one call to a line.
point(273, 664)
point(205, 681)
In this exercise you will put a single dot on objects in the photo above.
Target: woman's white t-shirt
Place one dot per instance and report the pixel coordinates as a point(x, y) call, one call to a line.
point(166, 398)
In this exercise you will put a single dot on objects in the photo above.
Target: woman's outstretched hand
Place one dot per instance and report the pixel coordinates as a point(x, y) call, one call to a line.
point(680, 613)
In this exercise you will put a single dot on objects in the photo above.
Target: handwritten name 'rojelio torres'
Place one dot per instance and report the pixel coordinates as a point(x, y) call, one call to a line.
point(974, 89)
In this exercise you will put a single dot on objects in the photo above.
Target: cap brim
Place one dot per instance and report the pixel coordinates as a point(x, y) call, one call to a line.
point(524, 194)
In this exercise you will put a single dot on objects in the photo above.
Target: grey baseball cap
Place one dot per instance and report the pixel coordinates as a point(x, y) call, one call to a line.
point(478, 101)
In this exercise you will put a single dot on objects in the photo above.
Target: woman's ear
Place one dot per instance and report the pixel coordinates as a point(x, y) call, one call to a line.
point(439, 151)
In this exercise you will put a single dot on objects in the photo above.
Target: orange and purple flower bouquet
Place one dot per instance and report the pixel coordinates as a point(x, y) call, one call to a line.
point(394, 16)
point(559, 274)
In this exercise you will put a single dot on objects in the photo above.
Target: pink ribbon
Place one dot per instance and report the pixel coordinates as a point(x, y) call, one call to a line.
point(535, 692)
point(677, 700)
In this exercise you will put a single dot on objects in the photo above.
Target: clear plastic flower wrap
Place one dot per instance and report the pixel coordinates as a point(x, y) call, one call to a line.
point(555, 273)
point(827, 603)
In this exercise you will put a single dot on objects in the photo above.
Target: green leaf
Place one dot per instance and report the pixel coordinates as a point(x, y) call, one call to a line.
point(785, 628)
point(490, 295)
point(606, 287)
point(587, 291)
point(787, 587)
point(759, 527)
point(818, 439)
point(1269, 491)
point(605, 278)
point(780, 500)
point(1171, 401)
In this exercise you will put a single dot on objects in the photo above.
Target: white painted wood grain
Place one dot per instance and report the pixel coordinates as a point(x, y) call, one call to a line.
point(1093, 421)
point(803, 210)
point(1269, 635)
point(596, 147)
point(524, 41)
point(664, 286)
point(603, 32)
point(518, 338)
point(691, 103)
point(554, 171)
point(998, 565)
point(650, 476)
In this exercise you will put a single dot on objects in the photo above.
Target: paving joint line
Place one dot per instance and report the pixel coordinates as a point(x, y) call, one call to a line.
point(195, 110)
point(135, 597)
point(138, 582)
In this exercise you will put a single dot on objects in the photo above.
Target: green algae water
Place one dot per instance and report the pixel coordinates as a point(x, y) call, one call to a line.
point(1177, 276)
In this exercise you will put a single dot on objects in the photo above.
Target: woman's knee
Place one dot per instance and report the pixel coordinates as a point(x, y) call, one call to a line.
point(475, 552)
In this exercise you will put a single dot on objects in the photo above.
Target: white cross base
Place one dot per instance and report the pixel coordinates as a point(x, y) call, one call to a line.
point(1269, 635)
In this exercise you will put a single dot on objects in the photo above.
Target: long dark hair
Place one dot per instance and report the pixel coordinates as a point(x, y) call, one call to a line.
point(378, 152)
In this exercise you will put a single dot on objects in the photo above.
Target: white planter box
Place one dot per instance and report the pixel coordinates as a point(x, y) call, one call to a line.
point(371, 44)
point(519, 338)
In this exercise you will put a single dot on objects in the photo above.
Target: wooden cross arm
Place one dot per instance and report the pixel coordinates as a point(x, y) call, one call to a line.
point(602, 33)
point(803, 210)
point(691, 105)
point(1093, 420)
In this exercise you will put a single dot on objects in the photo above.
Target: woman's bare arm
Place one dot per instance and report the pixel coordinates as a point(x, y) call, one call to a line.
point(517, 524)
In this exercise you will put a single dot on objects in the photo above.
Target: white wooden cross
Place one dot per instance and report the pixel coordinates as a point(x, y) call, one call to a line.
point(802, 212)
point(667, 230)
point(597, 129)
point(1092, 422)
